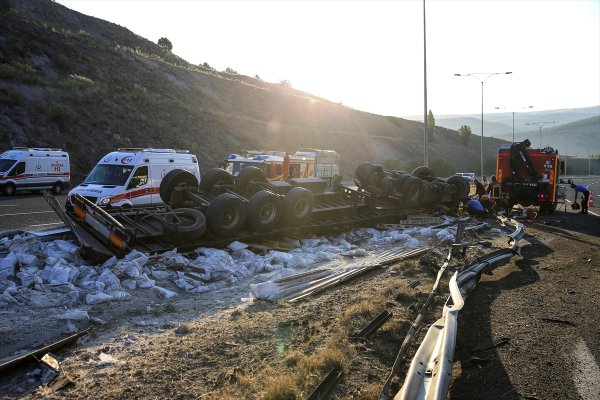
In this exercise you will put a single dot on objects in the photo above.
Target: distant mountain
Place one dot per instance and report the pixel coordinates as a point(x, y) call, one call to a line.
point(579, 126)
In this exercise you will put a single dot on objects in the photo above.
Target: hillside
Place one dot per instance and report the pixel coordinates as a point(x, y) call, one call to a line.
point(86, 85)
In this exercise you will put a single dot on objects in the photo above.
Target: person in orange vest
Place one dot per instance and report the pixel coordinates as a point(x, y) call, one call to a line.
point(585, 196)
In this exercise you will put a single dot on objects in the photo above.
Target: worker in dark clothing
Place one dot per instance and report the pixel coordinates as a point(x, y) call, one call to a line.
point(479, 189)
point(585, 196)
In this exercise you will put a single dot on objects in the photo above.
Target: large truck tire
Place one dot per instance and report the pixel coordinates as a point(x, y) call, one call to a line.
point(226, 215)
point(412, 190)
point(424, 173)
point(215, 176)
point(264, 211)
point(297, 206)
point(184, 224)
point(367, 174)
point(429, 194)
point(248, 175)
point(461, 185)
point(174, 179)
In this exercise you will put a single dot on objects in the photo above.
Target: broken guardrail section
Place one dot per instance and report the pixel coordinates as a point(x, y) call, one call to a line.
point(430, 371)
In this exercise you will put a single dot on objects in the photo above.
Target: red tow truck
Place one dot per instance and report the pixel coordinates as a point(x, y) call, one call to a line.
point(526, 176)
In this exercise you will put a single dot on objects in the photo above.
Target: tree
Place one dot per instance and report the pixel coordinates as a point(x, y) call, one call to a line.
point(464, 132)
point(430, 126)
point(165, 43)
point(231, 71)
point(285, 83)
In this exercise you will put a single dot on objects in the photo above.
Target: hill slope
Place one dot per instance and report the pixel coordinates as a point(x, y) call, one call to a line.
point(72, 81)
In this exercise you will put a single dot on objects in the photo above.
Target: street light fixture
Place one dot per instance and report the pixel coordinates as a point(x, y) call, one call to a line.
point(485, 75)
point(513, 122)
point(540, 124)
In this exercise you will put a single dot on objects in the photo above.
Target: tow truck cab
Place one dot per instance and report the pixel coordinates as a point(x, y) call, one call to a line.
point(526, 176)
point(130, 177)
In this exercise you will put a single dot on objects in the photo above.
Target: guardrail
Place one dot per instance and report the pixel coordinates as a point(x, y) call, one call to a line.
point(430, 371)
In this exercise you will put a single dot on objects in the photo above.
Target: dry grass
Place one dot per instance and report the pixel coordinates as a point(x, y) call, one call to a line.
point(185, 328)
point(282, 387)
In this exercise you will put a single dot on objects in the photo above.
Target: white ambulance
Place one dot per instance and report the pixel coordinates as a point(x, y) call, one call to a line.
point(130, 177)
point(32, 169)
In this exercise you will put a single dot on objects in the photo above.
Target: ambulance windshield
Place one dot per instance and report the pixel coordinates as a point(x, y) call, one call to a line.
point(234, 167)
point(106, 174)
point(6, 164)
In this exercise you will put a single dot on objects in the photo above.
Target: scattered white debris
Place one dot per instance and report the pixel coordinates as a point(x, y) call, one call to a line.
point(46, 274)
point(107, 359)
point(75, 315)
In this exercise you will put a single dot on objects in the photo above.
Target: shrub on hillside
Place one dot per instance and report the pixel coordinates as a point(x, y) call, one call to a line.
point(17, 71)
point(61, 61)
point(61, 114)
point(4, 6)
point(13, 96)
point(165, 43)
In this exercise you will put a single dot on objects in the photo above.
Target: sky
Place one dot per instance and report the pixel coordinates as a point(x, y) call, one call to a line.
point(368, 55)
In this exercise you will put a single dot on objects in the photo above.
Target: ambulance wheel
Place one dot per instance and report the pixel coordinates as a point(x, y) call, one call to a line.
point(9, 189)
point(461, 185)
point(184, 224)
point(297, 206)
point(174, 179)
point(226, 215)
point(215, 176)
point(367, 174)
point(424, 173)
point(412, 189)
point(57, 189)
point(264, 211)
point(248, 175)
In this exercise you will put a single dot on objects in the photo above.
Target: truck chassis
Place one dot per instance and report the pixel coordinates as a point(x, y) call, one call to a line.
point(222, 209)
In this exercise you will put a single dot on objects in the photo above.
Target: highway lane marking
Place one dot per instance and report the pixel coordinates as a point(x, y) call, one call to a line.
point(26, 213)
point(593, 213)
point(52, 223)
point(587, 381)
point(8, 205)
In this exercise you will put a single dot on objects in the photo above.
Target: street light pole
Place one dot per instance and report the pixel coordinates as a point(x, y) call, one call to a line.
point(425, 139)
point(540, 124)
point(485, 75)
point(513, 120)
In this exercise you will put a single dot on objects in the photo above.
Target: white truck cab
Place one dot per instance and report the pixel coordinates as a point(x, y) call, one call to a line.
point(24, 168)
point(131, 177)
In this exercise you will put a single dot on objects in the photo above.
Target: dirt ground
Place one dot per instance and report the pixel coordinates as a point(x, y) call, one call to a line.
point(541, 311)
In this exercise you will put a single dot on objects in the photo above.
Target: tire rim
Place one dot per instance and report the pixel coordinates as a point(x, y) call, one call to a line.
point(230, 217)
point(267, 213)
point(301, 208)
point(9, 190)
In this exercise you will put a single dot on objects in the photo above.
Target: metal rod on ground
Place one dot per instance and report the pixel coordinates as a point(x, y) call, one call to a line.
point(373, 325)
point(383, 395)
point(39, 352)
point(327, 282)
point(323, 391)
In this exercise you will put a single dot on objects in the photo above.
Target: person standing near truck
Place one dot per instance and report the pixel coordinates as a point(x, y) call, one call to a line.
point(479, 189)
point(585, 196)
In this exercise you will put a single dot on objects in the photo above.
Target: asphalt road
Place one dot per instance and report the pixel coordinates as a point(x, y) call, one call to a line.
point(30, 212)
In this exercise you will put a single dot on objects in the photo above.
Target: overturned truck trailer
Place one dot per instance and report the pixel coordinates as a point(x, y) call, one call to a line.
point(221, 208)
